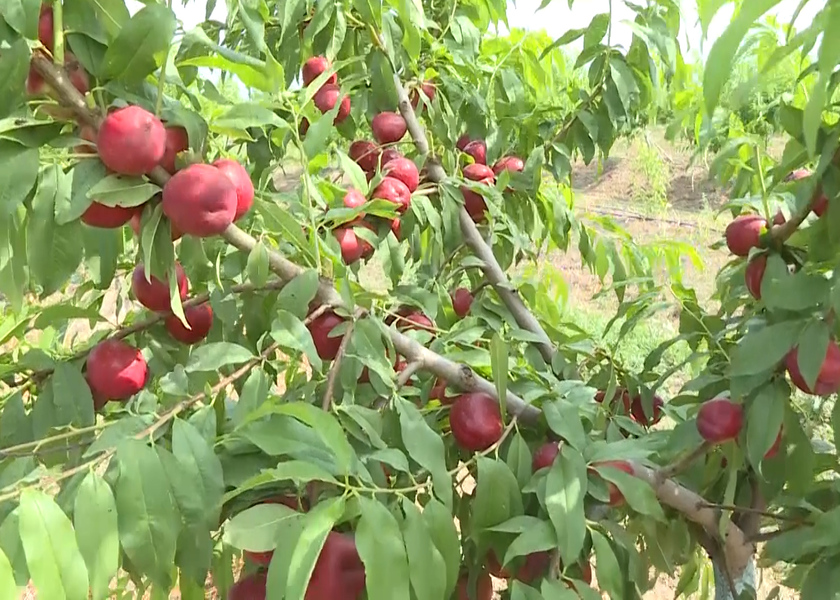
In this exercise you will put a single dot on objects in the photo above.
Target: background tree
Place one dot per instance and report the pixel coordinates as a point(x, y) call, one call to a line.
point(314, 375)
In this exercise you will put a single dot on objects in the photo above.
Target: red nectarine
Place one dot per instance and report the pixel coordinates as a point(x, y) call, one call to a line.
point(108, 217)
point(720, 420)
point(405, 170)
point(320, 328)
point(115, 370)
point(131, 141)
point(241, 180)
point(753, 275)
point(616, 497)
point(545, 455)
point(154, 293)
point(388, 127)
point(177, 141)
point(366, 154)
point(395, 191)
point(476, 421)
point(462, 300)
point(200, 318)
point(478, 150)
point(250, 587)
point(200, 200)
point(828, 379)
point(744, 233)
point(483, 587)
point(327, 97)
point(313, 67)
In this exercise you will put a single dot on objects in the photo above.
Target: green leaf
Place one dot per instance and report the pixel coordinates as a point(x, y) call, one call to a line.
point(427, 569)
point(55, 563)
point(425, 447)
point(597, 30)
point(54, 251)
point(147, 515)
point(254, 393)
point(212, 357)
point(497, 496)
point(499, 368)
point(381, 548)
point(8, 589)
point(764, 418)
point(812, 346)
point(95, 521)
point(197, 456)
point(85, 175)
point(536, 538)
point(763, 349)
point(610, 578)
point(564, 419)
point(557, 590)
point(256, 528)
point(638, 494)
point(722, 54)
point(317, 525)
point(257, 265)
point(254, 22)
point(519, 459)
point(352, 169)
point(15, 425)
point(290, 332)
point(445, 538)
point(299, 292)
point(141, 45)
point(565, 489)
point(297, 471)
point(19, 173)
point(248, 114)
point(22, 16)
point(520, 591)
point(14, 65)
point(120, 190)
point(326, 426)
point(103, 248)
point(72, 396)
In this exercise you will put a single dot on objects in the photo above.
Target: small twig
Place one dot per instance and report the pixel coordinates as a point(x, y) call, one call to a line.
point(332, 376)
point(316, 313)
point(753, 511)
point(766, 536)
point(681, 464)
point(407, 373)
point(17, 449)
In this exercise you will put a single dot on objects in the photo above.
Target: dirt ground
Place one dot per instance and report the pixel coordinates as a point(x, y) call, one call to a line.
point(620, 189)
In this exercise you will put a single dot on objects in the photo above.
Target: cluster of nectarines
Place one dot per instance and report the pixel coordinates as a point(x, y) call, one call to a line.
point(35, 84)
point(479, 172)
point(634, 406)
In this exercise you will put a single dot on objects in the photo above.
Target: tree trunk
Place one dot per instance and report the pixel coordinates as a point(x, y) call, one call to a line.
point(748, 579)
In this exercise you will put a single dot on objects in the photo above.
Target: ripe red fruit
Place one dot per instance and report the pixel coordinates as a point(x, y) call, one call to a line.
point(339, 573)
point(753, 275)
point(483, 587)
point(388, 127)
point(396, 227)
point(429, 90)
point(474, 202)
point(264, 558)
point(620, 392)
point(400, 367)
point(320, 328)
point(545, 455)
point(366, 154)
point(177, 141)
point(200, 318)
point(131, 141)
point(241, 180)
point(327, 97)
point(534, 565)
point(616, 497)
point(743, 233)
point(720, 420)
point(828, 379)
point(462, 301)
point(354, 198)
point(509, 163)
point(389, 154)
point(108, 217)
point(154, 293)
point(411, 318)
point(405, 170)
point(79, 78)
point(200, 200)
point(476, 421)
point(637, 410)
point(135, 225)
point(438, 392)
point(478, 150)
point(353, 247)
point(116, 370)
point(313, 67)
point(250, 587)
point(395, 191)
point(774, 449)
point(779, 219)
point(46, 34)
point(462, 142)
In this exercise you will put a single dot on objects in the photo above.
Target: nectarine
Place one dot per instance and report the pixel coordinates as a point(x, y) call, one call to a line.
point(200, 200)
point(154, 293)
point(200, 319)
point(115, 370)
point(241, 181)
point(476, 421)
point(131, 141)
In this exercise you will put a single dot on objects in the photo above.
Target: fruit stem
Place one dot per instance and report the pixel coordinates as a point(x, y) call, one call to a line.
point(58, 33)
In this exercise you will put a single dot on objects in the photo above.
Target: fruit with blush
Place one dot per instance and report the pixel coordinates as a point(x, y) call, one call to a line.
point(241, 181)
point(483, 587)
point(339, 573)
point(353, 247)
point(476, 421)
point(478, 150)
point(744, 233)
point(249, 587)
point(753, 275)
point(720, 420)
point(828, 378)
point(313, 67)
point(200, 200)
point(438, 392)
point(115, 370)
point(389, 154)
point(177, 141)
point(393, 190)
point(462, 300)
point(396, 228)
point(545, 455)
point(774, 449)
point(409, 318)
point(616, 497)
point(79, 78)
point(366, 154)
point(473, 201)
point(108, 217)
point(779, 218)
point(320, 328)
point(644, 416)
point(463, 141)
point(621, 393)
point(154, 293)
point(131, 141)
point(405, 170)
point(200, 320)
point(529, 568)
point(428, 89)
point(46, 24)
point(388, 127)
point(354, 198)
point(327, 97)
point(509, 163)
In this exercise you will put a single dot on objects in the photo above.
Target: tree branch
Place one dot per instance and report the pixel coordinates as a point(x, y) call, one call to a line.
point(492, 270)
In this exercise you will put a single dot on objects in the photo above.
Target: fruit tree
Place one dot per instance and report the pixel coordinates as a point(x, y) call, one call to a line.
point(273, 323)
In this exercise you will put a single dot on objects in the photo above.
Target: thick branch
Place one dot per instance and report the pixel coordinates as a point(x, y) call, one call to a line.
point(492, 270)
